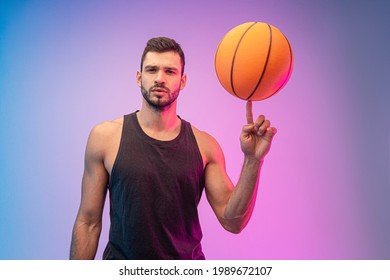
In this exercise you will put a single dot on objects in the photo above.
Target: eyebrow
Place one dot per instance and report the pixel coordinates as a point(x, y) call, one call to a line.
point(148, 67)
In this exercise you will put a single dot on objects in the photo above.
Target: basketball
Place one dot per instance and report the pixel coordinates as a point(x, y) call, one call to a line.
point(254, 61)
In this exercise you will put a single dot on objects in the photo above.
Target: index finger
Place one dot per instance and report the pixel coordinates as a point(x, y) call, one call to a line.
point(249, 114)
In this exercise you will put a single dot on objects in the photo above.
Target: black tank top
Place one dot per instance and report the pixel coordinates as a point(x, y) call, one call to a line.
point(155, 188)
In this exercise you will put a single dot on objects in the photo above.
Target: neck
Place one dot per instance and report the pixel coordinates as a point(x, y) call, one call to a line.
point(157, 121)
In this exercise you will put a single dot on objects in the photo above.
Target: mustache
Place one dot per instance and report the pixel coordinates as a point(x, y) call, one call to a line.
point(160, 86)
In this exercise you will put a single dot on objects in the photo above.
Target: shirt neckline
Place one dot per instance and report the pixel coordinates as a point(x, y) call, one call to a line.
point(152, 140)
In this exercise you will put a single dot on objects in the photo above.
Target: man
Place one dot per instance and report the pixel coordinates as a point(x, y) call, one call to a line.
point(155, 166)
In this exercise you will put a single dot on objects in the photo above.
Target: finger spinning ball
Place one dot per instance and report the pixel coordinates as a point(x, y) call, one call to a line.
point(254, 61)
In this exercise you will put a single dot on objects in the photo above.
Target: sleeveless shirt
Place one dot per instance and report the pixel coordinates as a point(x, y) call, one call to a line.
point(155, 188)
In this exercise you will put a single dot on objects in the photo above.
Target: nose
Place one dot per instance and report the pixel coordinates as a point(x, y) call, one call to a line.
point(160, 78)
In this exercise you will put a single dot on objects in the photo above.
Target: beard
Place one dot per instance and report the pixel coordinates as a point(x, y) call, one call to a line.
point(159, 103)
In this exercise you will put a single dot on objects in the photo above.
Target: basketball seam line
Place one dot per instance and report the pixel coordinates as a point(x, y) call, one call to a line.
point(265, 64)
point(234, 58)
point(289, 69)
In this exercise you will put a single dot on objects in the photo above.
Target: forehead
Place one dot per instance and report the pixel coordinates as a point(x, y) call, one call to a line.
point(165, 59)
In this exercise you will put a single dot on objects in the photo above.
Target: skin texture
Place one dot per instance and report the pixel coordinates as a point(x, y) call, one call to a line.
point(161, 82)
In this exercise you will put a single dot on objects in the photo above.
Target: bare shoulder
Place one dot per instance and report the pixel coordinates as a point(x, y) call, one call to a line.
point(203, 138)
point(208, 145)
point(107, 128)
point(104, 134)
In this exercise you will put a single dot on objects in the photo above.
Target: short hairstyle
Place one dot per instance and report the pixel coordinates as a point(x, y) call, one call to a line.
point(163, 44)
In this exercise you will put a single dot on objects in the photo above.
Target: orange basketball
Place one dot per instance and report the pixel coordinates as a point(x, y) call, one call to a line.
point(254, 61)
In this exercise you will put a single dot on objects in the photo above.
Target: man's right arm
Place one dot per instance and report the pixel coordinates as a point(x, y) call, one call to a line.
point(88, 224)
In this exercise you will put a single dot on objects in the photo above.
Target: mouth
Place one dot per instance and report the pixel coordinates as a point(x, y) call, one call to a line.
point(158, 89)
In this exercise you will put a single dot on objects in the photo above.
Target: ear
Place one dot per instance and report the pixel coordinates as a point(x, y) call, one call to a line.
point(183, 81)
point(138, 78)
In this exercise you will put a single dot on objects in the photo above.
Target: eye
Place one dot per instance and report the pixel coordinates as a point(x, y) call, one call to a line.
point(150, 69)
point(171, 71)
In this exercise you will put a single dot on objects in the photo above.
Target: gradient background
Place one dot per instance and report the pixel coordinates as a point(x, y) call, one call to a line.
point(66, 66)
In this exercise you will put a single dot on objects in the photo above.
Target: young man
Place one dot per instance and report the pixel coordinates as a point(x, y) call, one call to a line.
point(155, 166)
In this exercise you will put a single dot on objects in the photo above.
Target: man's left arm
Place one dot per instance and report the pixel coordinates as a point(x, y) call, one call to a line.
point(234, 205)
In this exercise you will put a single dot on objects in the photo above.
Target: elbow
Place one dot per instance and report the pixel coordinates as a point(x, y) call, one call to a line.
point(235, 226)
point(234, 230)
point(88, 224)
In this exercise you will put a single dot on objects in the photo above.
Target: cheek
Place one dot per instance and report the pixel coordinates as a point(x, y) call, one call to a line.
point(143, 83)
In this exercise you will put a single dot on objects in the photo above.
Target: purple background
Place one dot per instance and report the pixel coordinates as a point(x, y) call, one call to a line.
point(66, 66)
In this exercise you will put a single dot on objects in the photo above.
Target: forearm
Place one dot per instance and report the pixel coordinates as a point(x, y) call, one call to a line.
point(85, 239)
point(242, 200)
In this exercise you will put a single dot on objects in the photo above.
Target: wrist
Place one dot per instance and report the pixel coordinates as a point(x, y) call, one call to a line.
point(253, 160)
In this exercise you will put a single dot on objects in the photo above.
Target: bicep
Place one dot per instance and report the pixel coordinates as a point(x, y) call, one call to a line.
point(218, 185)
point(94, 182)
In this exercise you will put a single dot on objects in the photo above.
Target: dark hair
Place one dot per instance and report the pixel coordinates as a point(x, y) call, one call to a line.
point(163, 44)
